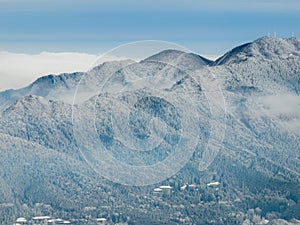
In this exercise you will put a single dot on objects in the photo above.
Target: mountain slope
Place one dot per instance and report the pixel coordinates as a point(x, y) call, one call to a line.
point(266, 64)
point(130, 108)
point(30, 171)
point(45, 122)
point(63, 87)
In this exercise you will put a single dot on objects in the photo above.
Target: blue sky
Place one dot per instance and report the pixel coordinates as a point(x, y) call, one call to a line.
point(94, 26)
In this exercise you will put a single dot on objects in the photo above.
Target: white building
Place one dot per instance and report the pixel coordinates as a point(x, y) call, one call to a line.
point(21, 220)
point(213, 184)
point(166, 189)
point(101, 220)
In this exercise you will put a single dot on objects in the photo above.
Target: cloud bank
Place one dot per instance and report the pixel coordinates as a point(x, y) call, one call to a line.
point(19, 70)
point(285, 108)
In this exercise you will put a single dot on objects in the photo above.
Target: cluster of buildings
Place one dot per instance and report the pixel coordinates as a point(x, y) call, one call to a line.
point(47, 220)
point(166, 189)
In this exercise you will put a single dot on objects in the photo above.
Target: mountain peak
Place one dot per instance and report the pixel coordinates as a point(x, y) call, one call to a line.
point(27, 102)
point(264, 48)
point(188, 61)
point(168, 53)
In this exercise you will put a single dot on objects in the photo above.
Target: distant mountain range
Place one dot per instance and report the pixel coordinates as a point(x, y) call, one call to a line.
point(47, 165)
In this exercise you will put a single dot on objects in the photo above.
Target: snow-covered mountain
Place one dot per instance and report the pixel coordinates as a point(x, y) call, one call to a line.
point(167, 104)
point(261, 83)
point(62, 87)
point(267, 64)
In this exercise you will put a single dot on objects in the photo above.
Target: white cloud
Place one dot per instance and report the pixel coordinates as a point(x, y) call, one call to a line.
point(19, 70)
point(285, 108)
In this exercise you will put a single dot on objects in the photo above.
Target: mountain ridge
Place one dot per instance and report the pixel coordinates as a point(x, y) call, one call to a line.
point(289, 49)
point(254, 175)
point(265, 47)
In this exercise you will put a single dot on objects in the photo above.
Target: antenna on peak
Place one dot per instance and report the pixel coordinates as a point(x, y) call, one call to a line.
point(293, 35)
